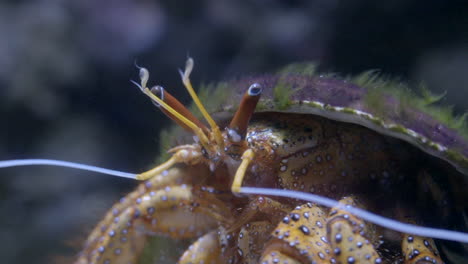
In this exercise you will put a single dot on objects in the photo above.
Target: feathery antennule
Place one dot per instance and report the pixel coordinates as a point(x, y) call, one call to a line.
point(188, 85)
point(144, 76)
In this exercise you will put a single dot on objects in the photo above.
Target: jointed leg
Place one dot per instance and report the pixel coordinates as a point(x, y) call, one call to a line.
point(170, 177)
point(161, 206)
point(261, 205)
point(299, 238)
point(419, 250)
point(351, 239)
point(206, 249)
point(308, 235)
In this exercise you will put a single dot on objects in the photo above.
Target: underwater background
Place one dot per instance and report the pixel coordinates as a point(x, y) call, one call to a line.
point(65, 91)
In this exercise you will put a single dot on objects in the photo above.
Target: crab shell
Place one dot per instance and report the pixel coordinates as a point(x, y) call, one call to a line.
point(385, 106)
point(354, 101)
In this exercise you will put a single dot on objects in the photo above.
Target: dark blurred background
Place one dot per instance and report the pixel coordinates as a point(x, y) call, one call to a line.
point(65, 92)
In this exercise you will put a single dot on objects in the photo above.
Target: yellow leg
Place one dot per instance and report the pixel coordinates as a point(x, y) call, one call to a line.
point(206, 249)
point(300, 237)
point(177, 211)
point(418, 249)
point(261, 205)
point(173, 176)
point(251, 240)
point(277, 256)
point(351, 239)
point(247, 157)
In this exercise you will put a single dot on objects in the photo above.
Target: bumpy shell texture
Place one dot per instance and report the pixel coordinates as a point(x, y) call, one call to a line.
point(385, 106)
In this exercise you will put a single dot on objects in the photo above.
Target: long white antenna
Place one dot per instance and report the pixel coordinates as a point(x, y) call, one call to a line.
point(368, 216)
point(67, 164)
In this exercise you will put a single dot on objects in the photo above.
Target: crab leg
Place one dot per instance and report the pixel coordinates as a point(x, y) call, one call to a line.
point(308, 235)
point(206, 249)
point(350, 237)
point(299, 238)
point(261, 205)
point(251, 239)
point(418, 249)
point(162, 206)
point(175, 211)
point(172, 176)
point(277, 256)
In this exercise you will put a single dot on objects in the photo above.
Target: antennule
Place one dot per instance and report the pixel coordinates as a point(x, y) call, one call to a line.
point(188, 85)
point(144, 76)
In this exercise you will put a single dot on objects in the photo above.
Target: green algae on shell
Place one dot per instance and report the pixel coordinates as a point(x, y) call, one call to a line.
point(385, 106)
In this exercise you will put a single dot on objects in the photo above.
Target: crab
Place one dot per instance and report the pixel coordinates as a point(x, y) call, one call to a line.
point(311, 134)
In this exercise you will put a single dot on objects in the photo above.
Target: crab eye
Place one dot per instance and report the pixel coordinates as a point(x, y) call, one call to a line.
point(255, 89)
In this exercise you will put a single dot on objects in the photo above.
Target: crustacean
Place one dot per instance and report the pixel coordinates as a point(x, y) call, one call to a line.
point(308, 133)
point(372, 164)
